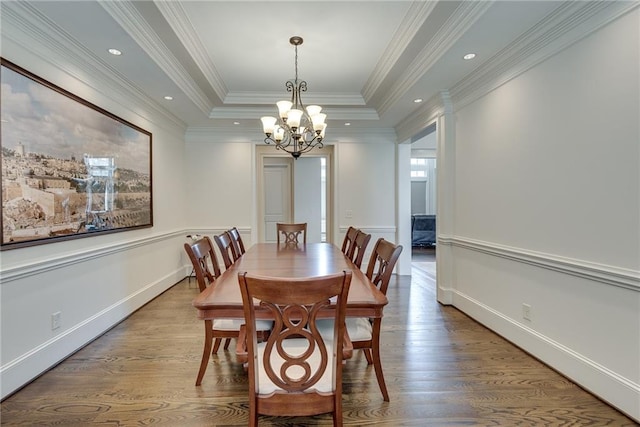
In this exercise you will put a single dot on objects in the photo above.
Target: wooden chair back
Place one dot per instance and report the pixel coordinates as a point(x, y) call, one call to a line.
point(204, 261)
point(295, 372)
point(237, 241)
point(359, 247)
point(349, 239)
point(383, 259)
point(227, 249)
point(291, 233)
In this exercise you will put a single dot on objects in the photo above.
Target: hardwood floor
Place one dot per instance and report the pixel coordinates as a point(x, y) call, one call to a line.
point(441, 369)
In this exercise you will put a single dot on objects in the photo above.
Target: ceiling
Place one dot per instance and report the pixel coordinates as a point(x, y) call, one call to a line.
point(225, 62)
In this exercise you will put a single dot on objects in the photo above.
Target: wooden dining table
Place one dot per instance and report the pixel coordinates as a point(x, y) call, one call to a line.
point(223, 299)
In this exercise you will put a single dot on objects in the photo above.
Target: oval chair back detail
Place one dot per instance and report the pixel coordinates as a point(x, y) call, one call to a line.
point(291, 232)
point(297, 371)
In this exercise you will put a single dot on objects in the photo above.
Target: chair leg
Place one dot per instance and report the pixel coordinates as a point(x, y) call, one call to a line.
point(216, 345)
point(367, 355)
point(377, 362)
point(337, 410)
point(226, 343)
point(208, 338)
point(253, 412)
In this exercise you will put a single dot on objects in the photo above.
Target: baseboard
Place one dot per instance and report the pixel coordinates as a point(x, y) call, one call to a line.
point(618, 391)
point(24, 369)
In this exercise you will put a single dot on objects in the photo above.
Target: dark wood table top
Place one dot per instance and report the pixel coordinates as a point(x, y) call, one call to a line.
point(223, 299)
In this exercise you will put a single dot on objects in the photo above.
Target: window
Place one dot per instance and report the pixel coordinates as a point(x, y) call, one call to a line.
point(419, 167)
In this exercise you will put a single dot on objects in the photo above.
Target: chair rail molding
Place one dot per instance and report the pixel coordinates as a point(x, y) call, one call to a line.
point(607, 274)
point(42, 266)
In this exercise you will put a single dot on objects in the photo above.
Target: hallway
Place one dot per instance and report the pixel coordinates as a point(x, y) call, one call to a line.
point(424, 259)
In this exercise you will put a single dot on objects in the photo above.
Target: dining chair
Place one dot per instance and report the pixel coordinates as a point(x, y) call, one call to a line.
point(364, 332)
point(359, 246)
point(291, 232)
point(227, 249)
point(296, 372)
point(206, 269)
point(349, 239)
point(237, 241)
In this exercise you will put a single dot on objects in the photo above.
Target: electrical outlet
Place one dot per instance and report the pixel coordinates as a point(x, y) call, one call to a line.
point(56, 318)
point(348, 214)
point(526, 311)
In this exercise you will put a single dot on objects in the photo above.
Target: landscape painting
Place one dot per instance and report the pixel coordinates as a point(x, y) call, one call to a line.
point(69, 168)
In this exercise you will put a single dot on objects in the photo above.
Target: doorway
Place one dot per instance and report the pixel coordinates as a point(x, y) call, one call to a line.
point(294, 191)
point(423, 201)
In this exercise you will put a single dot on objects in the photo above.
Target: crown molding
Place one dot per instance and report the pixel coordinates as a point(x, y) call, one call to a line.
point(566, 25)
point(417, 14)
point(33, 32)
point(270, 98)
point(360, 135)
point(257, 112)
point(225, 134)
point(457, 25)
point(177, 18)
point(131, 21)
point(253, 134)
point(421, 117)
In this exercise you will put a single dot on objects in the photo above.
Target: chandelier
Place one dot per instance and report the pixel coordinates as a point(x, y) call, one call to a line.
point(297, 129)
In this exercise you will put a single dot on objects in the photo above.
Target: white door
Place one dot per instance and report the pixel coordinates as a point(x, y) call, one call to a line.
point(291, 190)
point(277, 194)
point(307, 195)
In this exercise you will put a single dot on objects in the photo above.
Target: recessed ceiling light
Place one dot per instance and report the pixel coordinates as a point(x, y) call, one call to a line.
point(115, 52)
point(236, 123)
point(347, 124)
point(469, 56)
point(168, 98)
point(417, 100)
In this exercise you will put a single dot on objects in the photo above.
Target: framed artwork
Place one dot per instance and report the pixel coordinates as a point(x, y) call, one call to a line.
point(69, 168)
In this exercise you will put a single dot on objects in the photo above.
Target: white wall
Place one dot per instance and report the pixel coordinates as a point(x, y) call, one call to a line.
point(221, 186)
point(365, 188)
point(546, 212)
point(97, 281)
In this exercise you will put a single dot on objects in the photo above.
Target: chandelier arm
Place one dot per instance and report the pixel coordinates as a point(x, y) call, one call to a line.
point(302, 137)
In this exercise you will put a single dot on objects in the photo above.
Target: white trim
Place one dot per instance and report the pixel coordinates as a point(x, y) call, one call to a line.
point(178, 19)
point(577, 367)
point(568, 24)
point(33, 32)
point(39, 267)
point(252, 113)
point(270, 98)
point(610, 275)
point(414, 19)
point(456, 26)
point(127, 16)
point(28, 366)
point(225, 134)
point(385, 229)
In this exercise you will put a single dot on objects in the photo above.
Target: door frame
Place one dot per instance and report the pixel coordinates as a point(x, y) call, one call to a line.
point(264, 151)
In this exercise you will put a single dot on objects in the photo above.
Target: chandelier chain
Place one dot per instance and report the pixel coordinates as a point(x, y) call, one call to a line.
point(296, 63)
